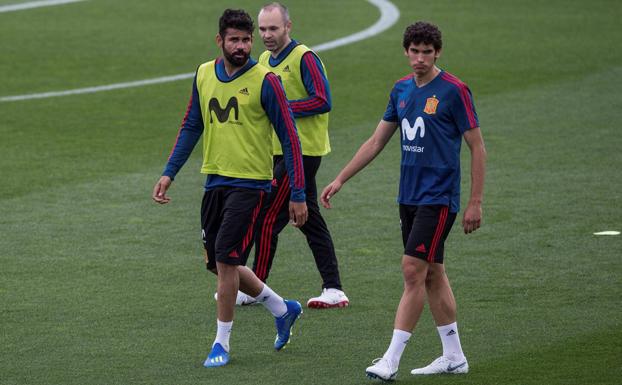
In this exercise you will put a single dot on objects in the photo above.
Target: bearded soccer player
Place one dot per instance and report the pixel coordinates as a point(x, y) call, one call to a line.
point(433, 110)
point(236, 104)
point(304, 79)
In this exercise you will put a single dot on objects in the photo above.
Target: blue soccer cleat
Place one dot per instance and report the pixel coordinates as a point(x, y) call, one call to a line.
point(217, 357)
point(285, 322)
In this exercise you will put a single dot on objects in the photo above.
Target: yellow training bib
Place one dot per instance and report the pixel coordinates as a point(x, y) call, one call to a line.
point(312, 130)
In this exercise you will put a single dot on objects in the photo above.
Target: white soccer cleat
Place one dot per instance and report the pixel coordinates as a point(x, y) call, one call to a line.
point(242, 299)
point(328, 299)
point(382, 369)
point(443, 365)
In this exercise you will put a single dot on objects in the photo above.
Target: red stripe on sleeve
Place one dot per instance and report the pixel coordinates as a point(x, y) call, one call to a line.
point(318, 83)
point(464, 95)
point(183, 123)
point(407, 77)
point(306, 105)
point(289, 124)
point(466, 99)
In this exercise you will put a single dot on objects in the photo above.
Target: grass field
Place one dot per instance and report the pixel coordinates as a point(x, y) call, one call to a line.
point(98, 285)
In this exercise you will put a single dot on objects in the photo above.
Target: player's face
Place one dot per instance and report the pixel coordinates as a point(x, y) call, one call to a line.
point(422, 58)
point(236, 46)
point(273, 29)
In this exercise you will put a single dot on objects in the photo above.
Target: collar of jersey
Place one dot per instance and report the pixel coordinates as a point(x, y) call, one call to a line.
point(221, 73)
point(275, 61)
point(414, 83)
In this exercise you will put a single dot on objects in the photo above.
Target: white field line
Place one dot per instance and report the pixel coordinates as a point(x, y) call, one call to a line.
point(90, 90)
point(34, 4)
point(389, 14)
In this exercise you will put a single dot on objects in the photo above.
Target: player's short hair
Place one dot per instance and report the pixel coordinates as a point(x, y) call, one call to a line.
point(423, 32)
point(236, 19)
point(280, 7)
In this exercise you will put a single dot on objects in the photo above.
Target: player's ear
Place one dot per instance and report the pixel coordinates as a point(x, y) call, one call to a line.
point(218, 40)
point(437, 54)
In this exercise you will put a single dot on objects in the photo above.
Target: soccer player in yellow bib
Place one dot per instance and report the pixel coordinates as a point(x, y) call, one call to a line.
point(236, 105)
point(304, 79)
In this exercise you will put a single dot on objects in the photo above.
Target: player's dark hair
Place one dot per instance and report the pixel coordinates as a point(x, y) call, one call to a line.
point(423, 32)
point(236, 19)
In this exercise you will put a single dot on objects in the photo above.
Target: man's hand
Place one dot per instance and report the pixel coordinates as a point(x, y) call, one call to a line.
point(330, 190)
point(159, 190)
point(298, 213)
point(472, 217)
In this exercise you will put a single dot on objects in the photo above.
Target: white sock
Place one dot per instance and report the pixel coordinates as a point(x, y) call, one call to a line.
point(451, 342)
point(398, 344)
point(272, 301)
point(223, 332)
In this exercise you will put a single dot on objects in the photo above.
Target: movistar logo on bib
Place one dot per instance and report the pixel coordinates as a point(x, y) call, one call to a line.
point(222, 114)
point(410, 132)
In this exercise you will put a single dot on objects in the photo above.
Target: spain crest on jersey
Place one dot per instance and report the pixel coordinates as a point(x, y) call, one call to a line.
point(430, 105)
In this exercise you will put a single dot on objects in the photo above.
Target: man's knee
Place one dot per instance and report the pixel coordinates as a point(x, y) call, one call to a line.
point(414, 271)
point(436, 275)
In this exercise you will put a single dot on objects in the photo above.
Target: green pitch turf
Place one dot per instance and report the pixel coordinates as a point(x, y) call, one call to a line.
point(98, 285)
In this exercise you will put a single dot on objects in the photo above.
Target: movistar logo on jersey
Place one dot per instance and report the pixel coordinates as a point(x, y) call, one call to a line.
point(409, 132)
point(222, 114)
